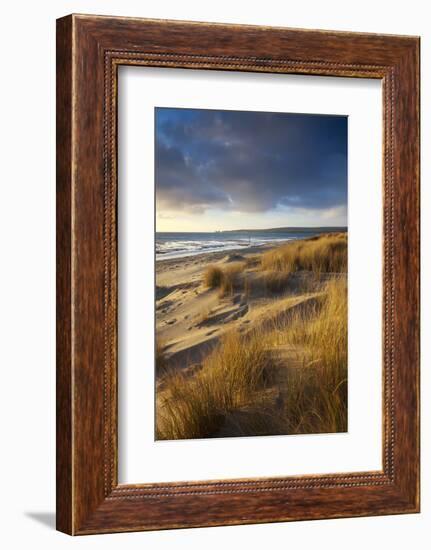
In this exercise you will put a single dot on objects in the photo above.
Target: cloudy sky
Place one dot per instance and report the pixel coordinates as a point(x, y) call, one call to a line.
point(220, 170)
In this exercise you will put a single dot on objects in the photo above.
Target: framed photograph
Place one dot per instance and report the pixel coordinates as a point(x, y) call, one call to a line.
point(237, 274)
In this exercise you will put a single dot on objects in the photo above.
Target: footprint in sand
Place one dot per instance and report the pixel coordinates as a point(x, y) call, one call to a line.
point(171, 321)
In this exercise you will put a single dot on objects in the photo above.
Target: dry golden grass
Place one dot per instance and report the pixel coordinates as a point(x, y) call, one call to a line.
point(238, 374)
point(225, 278)
point(230, 279)
point(323, 254)
point(229, 379)
point(317, 396)
point(276, 282)
point(160, 357)
point(213, 276)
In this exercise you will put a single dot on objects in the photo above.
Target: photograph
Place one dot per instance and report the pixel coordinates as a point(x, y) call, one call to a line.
point(251, 273)
point(214, 232)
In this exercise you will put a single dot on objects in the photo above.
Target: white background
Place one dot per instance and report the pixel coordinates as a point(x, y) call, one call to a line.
point(141, 458)
point(27, 125)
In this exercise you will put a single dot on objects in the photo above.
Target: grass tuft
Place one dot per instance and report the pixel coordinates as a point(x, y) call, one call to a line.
point(231, 278)
point(213, 276)
point(224, 278)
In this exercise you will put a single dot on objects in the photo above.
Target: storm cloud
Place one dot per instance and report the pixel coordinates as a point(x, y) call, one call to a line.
point(249, 161)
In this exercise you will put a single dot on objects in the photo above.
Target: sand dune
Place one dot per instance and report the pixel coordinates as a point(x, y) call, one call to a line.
point(194, 318)
point(191, 318)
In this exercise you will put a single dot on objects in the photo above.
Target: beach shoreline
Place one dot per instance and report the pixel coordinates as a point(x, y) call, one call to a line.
point(217, 255)
point(171, 245)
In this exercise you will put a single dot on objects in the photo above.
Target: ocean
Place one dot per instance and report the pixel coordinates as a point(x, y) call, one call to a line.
point(180, 245)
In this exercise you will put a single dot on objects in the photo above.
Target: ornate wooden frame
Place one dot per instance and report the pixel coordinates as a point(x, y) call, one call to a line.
point(89, 51)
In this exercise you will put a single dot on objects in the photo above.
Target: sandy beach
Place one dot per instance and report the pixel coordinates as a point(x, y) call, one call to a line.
point(213, 308)
point(191, 318)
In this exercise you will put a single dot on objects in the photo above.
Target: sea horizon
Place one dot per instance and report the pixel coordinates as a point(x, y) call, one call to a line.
point(171, 244)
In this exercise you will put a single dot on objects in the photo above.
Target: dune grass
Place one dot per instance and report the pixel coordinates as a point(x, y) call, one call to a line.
point(276, 282)
point(231, 275)
point(317, 396)
point(160, 357)
point(224, 278)
point(240, 373)
point(230, 378)
point(213, 276)
point(322, 254)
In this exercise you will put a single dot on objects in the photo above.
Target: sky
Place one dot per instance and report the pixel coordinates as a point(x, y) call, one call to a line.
point(225, 170)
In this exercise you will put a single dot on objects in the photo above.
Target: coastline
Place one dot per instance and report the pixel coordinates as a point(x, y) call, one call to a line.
point(223, 251)
point(171, 245)
point(219, 254)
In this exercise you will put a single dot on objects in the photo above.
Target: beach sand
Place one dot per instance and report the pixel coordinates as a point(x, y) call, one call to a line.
point(191, 318)
point(206, 331)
